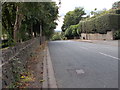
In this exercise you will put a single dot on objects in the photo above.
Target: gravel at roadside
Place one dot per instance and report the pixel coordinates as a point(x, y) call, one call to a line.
point(34, 78)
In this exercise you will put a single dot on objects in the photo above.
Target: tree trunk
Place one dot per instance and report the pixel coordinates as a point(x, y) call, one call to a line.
point(17, 24)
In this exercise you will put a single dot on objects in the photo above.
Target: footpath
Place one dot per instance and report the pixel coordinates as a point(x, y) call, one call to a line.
point(41, 73)
point(33, 77)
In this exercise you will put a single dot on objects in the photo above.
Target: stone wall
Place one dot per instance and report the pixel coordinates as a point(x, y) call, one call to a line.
point(97, 36)
point(15, 59)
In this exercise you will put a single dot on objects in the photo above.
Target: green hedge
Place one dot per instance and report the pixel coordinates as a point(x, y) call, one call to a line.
point(72, 31)
point(56, 36)
point(100, 24)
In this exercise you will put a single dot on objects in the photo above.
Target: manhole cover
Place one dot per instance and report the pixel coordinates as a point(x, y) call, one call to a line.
point(80, 71)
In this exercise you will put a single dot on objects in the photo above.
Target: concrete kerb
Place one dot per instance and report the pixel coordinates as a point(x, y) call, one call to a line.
point(48, 72)
point(45, 72)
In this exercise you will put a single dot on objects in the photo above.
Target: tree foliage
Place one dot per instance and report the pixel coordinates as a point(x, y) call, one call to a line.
point(56, 36)
point(116, 34)
point(100, 24)
point(72, 18)
point(22, 20)
point(72, 31)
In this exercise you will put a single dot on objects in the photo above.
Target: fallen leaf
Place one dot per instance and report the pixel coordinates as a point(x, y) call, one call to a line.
point(42, 80)
point(22, 77)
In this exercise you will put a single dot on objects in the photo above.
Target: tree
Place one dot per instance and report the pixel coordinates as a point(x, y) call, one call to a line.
point(68, 33)
point(71, 32)
point(94, 12)
point(25, 20)
point(74, 30)
point(8, 19)
point(73, 18)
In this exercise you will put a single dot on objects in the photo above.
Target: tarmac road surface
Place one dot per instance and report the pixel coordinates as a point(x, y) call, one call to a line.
point(84, 65)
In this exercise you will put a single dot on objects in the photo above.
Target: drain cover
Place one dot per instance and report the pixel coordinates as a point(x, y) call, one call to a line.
point(80, 71)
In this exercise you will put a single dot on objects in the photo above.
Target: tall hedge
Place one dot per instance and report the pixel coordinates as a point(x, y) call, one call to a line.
point(100, 24)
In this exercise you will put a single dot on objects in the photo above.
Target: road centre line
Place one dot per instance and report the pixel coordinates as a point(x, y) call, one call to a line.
point(103, 54)
point(109, 56)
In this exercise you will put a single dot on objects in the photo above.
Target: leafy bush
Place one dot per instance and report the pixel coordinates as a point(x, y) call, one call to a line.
point(56, 36)
point(71, 32)
point(63, 36)
point(100, 24)
point(68, 32)
point(116, 34)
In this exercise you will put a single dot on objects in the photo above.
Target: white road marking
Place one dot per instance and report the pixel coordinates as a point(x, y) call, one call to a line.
point(103, 54)
point(109, 56)
point(80, 71)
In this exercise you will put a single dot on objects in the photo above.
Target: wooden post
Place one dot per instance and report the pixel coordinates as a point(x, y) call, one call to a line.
point(40, 34)
point(32, 30)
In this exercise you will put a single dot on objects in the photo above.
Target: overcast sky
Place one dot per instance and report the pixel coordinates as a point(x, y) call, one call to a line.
point(88, 5)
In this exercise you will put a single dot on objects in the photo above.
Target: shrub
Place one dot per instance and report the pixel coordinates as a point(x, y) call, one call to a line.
point(72, 31)
point(68, 32)
point(116, 34)
point(100, 24)
point(63, 36)
point(56, 37)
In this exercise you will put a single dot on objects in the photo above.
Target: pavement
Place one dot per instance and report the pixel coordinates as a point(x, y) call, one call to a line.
point(83, 64)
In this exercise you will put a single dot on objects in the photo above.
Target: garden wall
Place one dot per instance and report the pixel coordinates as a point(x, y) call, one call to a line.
point(15, 59)
point(97, 36)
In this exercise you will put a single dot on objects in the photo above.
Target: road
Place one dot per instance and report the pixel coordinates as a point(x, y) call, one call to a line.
point(84, 65)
